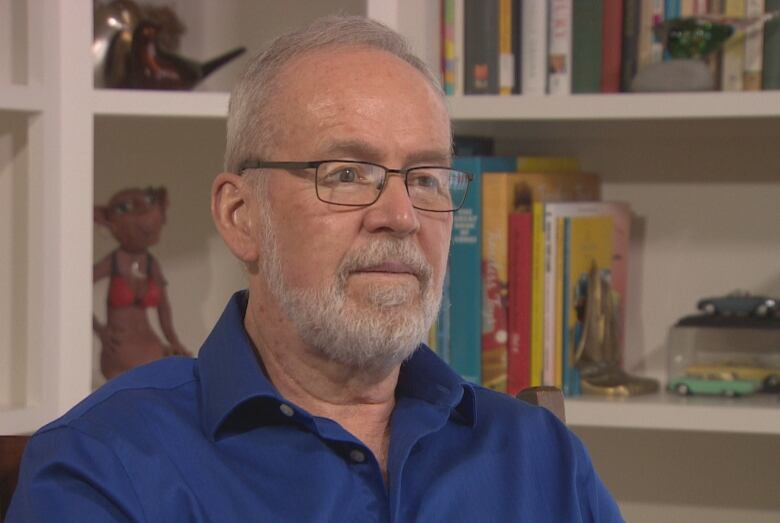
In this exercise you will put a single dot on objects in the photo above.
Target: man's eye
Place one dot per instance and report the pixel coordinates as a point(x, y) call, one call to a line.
point(425, 181)
point(347, 176)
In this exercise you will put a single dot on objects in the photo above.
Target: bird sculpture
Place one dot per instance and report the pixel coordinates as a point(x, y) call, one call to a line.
point(152, 67)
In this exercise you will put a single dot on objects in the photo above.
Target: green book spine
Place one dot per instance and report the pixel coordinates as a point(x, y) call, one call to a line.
point(586, 46)
point(771, 74)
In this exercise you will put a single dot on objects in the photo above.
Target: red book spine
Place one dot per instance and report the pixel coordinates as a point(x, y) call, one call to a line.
point(612, 41)
point(519, 321)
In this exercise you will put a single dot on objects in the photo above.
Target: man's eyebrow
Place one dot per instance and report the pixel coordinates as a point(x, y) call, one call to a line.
point(360, 150)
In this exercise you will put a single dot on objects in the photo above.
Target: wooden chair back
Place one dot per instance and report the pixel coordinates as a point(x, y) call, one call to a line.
point(11, 449)
point(550, 398)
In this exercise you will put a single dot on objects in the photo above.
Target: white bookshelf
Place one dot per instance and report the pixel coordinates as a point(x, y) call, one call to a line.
point(66, 101)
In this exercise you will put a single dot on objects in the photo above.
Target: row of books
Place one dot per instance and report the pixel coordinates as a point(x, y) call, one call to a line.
point(538, 47)
point(525, 247)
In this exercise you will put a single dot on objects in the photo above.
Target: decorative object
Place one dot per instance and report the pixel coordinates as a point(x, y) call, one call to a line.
point(689, 42)
point(134, 47)
point(599, 356)
point(135, 218)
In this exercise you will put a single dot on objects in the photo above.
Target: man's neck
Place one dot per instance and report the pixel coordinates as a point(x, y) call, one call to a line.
point(360, 401)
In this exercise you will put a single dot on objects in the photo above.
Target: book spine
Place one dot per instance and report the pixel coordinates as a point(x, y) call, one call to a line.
point(481, 46)
point(449, 58)
point(460, 46)
point(587, 34)
point(733, 60)
point(687, 8)
point(566, 357)
point(537, 295)
point(630, 48)
point(771, 62)
point(559, 55)
point(506, 58)
point(754, 47)
point(465, 284)
point(443, 321)
point(497, 199)
point(559, 302)
point(612, 38)
point(534, 48)
point(550, 253)
point(517, 39)
point(519, 322)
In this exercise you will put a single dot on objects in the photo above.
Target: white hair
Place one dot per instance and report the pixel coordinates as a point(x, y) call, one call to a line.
point(249, 125)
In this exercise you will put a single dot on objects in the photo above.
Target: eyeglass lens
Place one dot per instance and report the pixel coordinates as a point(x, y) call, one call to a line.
point(355, 183)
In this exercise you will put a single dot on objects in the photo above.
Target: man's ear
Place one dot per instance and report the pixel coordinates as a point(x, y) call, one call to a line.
point(100, 216)
point(233, 217)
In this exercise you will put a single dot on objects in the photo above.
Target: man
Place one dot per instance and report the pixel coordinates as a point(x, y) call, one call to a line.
point(312, 399)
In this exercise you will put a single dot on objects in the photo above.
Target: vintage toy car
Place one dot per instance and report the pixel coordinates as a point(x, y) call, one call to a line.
point(768, 377)
point(739, 304)
point(717, 383)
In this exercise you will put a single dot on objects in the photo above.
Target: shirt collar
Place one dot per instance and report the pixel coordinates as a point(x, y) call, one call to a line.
point(231, 374)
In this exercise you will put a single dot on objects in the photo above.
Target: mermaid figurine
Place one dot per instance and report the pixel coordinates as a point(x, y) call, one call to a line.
point(135, 218)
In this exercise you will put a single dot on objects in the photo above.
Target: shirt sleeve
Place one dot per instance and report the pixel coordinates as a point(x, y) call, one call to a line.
point(69, 476)
point(596, 502)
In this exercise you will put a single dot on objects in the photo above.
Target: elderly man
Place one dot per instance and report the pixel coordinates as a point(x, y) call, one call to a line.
point(313, 398)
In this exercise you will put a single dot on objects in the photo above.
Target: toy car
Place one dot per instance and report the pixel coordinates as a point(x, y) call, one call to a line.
point(739, 304)
point(713, 384)
point(768, 377)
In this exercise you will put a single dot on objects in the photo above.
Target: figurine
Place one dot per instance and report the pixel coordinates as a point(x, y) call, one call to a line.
point(135, 47)
point(135, 218)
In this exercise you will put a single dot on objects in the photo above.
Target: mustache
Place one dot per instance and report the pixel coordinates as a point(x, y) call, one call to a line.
point(383, 251)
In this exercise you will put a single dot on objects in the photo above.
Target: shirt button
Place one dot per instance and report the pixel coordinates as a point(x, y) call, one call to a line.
point(286, 410)
point(357, 456)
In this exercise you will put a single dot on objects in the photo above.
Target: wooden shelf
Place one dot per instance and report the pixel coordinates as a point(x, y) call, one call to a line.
point(606, 107)
point(21, 98)
point(169, 104)
point(758, 414)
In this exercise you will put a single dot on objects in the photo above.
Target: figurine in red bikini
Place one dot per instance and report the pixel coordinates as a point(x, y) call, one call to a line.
point(135, 218)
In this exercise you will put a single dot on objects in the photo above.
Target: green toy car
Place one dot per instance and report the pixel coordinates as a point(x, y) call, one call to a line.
point(713, 384)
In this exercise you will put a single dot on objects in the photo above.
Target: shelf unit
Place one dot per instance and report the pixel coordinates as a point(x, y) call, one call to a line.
point(82, 133)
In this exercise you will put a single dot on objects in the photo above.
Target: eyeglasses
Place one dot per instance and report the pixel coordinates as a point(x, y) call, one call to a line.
point(359, 184)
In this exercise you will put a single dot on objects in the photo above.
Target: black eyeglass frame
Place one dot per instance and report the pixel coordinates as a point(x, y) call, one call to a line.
point(259, 164)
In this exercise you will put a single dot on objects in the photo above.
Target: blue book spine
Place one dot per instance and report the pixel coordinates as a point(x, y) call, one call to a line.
point(443, 321)
point(465, 285)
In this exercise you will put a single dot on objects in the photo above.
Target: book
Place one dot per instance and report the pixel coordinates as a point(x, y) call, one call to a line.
point(534, 48)
point(506, 58)
point(559, 47)
point(611, 48)
point(587, 35)
point(733, 57)
point(519, 319)
point(460, 46)
point(517, 39)
point(465, 289)
point(629, 52)
point(588, 250)
point(481, 46)
point(497, 204)
point(770, 78)
point(449, 57)
point(754, 47)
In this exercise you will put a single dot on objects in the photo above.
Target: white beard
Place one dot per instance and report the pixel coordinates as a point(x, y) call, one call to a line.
point(378, 334)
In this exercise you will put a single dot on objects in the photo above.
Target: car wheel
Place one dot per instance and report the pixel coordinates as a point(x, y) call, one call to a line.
point(710, 308)
point(730, 393)
point(762, 310)
point(682, 389)
point(771, 383)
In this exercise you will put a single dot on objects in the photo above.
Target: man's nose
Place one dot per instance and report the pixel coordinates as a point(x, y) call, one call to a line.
point(393, 211)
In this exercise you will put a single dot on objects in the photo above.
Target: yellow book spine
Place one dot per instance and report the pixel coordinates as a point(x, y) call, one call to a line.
point(506, 59)
point(537, 295)
point(497, 203)
point(547, 164)
point(559, 300)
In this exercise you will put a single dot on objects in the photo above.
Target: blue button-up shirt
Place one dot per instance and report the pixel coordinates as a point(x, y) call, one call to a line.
point(212, 440)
